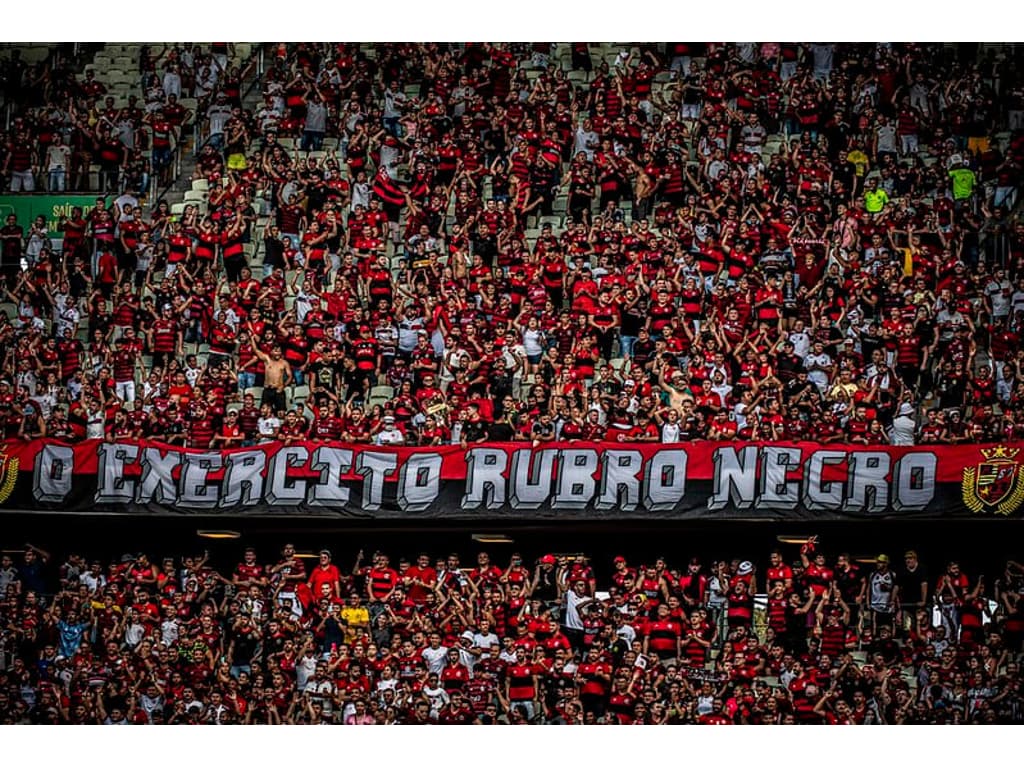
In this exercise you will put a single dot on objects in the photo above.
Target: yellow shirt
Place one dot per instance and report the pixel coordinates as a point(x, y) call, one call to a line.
point(875, 200)
point(963, 183)
point(840, 387)
point(354, 617)
point(859, 160)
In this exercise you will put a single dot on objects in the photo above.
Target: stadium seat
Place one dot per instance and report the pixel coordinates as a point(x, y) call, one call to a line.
point(382, 391)
point(299, 394)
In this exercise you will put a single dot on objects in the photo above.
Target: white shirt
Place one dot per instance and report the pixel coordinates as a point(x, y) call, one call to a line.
point(143, 256)
point(670, 432)
point(822, 57)
point(880, 591)
point(172, 84)
point(57, 156)
point(886, 138)
point(93, 582)
point(461, 94)
point(68, 318)
point(169, 631)
point(753, 136)
point(124, 200)
point(389, 158)
point(627, 633)
point(94, 426)
point(316, 117)
point(739, 414)
point(434, 659)
point(304, 669)
point(723, 391)
point(801, 343)
point(586, 141)
point(485, 641)
point(218, 115)
point(392, 436)
point(532, 342)
point(438, 699)
point(998, 293)
point(572, 611)
point(134, 633)
point(268, 117)
point(818, 377)
point(393, 103)
point(191, 374)
point(1017, 300)
point(360, 194)
point(902, 433)
point(467, 659)
point(268, 426)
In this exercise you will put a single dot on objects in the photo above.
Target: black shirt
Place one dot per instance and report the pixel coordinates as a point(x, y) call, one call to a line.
point(500, 432)
point(474, 431)
point(643, 352)
point(31, 576)
point(909, 584)
point(11, 251)
point(273, 252)
point(547, 588)
point(543, 431)
point(788, 366)
point(486, 246)
point(849, 583)
point(632, 320)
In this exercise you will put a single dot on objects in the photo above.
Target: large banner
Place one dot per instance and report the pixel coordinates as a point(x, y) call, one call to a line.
point(516, 480)
point(52, 207)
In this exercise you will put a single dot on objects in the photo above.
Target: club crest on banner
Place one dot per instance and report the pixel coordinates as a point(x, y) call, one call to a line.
point(995, 484)
point(8, 475)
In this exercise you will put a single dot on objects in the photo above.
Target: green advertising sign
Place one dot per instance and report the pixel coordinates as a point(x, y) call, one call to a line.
point(52, 207)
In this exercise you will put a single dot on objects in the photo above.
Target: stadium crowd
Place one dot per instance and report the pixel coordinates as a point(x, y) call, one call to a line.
point(135, 641)
point(423, 244)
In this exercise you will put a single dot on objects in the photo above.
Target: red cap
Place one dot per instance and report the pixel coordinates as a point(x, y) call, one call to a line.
point(548, 560)
point(619, 559)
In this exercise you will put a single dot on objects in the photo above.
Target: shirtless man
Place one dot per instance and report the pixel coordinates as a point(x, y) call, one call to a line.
point(277, 376)
point(643, 190)
point(676, 389)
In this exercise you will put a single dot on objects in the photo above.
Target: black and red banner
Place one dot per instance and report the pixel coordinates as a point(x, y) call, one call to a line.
point(573, 480)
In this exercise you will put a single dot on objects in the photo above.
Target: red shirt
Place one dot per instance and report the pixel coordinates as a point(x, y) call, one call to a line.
point(320, 576)
point(427, 575)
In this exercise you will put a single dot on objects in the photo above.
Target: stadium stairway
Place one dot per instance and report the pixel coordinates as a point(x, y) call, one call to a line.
point(116, 65)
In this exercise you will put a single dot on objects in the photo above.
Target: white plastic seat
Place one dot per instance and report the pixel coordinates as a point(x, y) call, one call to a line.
point(382, 392)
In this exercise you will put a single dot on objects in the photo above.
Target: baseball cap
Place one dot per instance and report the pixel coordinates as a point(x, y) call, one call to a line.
point(548, 560)
point(883, 558)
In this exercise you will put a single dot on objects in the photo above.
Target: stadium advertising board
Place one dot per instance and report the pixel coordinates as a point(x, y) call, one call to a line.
point(51, 207)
